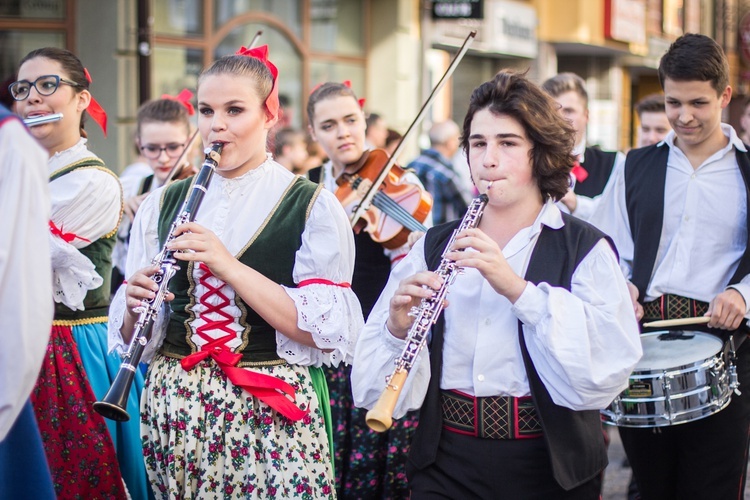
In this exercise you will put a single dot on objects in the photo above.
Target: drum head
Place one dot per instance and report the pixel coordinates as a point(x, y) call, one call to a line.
point(663, 350)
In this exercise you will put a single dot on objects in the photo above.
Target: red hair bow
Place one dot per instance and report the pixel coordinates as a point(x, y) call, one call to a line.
point(348, 84)
point(261, 53)
point(345, 83)
point(95, 109)
point(184, 98)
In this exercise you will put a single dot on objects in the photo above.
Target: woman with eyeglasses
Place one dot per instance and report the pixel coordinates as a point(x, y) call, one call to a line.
point(88, 458)
point(162, 134)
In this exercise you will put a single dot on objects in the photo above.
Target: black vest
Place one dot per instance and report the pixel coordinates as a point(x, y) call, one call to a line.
point(599, 166)
point(371, 266)
point(574, 438)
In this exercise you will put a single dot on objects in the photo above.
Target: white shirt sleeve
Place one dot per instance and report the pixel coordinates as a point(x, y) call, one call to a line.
point(86, 205)
point(330, 312)
point(587, 207)
point(25, 276)
point(584, 342)
point(377, 350)
point(144, 246)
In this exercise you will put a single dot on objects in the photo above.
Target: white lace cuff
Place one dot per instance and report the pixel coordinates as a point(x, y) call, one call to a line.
point(333, 316)
point(116, 317)
point(73, 274)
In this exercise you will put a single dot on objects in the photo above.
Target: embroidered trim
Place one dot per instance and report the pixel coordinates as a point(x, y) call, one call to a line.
point(79, 322)
point(241, 364)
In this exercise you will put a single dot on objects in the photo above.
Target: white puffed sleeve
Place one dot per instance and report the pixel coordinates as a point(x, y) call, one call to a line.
point(377, 350)
point(326, 305)
point(86, 205)
point(144, 246)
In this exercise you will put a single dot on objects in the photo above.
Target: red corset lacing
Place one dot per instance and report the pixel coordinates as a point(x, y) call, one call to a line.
point(276, 393)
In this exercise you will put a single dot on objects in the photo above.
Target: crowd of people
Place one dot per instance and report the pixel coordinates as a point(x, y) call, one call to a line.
point(284, 317)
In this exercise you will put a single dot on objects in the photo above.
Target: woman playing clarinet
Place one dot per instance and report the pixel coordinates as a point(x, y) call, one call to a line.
point(235, 399)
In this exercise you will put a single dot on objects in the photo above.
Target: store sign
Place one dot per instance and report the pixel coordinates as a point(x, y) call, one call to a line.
point(458, 9)
point(514, 29)
point(625, 20)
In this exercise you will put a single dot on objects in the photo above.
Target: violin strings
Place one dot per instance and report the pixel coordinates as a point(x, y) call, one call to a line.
point(397, 212)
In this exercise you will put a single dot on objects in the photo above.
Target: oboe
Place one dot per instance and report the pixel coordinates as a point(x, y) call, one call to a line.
point(41, 120)
point(425, 315)
point(115, 401)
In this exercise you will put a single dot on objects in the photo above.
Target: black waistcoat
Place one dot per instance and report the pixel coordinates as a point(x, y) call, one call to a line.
point(574, 438)
point(599, 166)
point(371, 266)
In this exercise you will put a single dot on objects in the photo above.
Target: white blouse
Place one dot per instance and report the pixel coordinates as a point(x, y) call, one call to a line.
point(86, 203)
point(584, 342)
point(235, 209)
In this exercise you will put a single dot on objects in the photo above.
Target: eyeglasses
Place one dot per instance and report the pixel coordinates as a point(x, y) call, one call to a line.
point(152, 151)
point(44, 85)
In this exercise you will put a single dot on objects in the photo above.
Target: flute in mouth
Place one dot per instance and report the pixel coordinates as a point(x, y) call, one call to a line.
point(41, 120)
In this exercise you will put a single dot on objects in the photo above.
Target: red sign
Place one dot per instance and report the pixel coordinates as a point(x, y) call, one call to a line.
point(744, 35)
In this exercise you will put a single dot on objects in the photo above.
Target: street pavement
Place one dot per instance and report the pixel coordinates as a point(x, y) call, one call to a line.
point(617, 477)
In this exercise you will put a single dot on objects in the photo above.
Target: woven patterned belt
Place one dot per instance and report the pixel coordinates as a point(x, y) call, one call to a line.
point(670, 306)
point(495, 417)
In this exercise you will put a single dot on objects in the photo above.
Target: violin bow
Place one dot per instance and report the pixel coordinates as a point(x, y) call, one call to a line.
point(192, 139)
point(366, 201)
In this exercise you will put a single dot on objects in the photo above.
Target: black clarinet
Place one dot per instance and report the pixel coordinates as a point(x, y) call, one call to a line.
point(115, 401)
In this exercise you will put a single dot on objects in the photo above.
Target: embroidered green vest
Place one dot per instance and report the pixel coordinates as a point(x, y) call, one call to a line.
point(99, 252)
point(271, 251)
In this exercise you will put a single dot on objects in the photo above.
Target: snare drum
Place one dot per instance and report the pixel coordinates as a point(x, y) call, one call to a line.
point(682, 376)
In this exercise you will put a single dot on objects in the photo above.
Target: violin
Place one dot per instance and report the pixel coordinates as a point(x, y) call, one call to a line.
point(381, 188)
point(401, 206)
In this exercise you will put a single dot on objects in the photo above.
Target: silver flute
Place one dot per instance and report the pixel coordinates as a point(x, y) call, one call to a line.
point(425, 315)
point(115, 401)
point(41, 120)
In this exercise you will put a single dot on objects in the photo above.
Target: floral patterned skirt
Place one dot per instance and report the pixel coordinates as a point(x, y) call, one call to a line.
point(206, 438)
point(78, 446)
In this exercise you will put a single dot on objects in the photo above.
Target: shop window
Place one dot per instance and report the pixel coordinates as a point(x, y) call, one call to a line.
point(16, 44)
point(178, 17)
point(329, 71)
point(177, 68)
point(337, 26)
point(47, 9)
point(288, 10)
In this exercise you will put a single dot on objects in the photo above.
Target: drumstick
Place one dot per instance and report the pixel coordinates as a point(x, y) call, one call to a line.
point(677, 322)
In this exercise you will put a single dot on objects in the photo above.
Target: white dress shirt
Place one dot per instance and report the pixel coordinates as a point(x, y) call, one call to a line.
point(235, 210)
point(586, 207)
point(704, 232)
point(584, 343)
point(26, 305)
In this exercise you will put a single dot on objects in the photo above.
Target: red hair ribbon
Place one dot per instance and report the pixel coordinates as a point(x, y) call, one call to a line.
point(184, 98)
point(345, 83)
point(348, 84)
point(95, 109)
point(261, 53)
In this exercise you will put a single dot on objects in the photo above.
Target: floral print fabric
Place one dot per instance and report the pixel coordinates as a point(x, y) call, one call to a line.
point(205, 438)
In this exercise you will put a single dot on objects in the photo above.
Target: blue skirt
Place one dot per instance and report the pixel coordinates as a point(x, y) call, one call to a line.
point(101, 369)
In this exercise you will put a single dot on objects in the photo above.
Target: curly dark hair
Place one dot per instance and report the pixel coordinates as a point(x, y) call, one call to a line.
point(512, 94)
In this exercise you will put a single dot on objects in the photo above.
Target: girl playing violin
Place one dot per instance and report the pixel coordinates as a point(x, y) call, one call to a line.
point(86, 210)
point(368, 465)
point(261, 301)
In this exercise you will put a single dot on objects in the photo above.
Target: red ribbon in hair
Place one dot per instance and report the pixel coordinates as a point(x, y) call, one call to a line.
point(95, 109)
point(345, 83)
point(184, 98)
point(261, 53)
